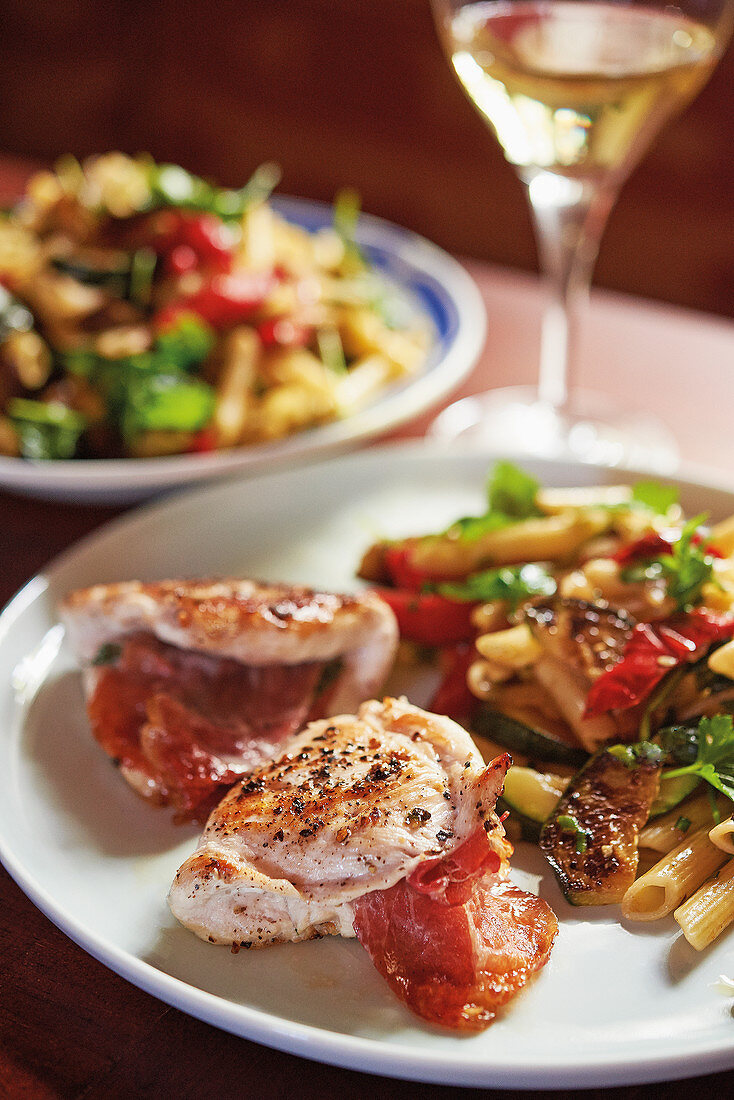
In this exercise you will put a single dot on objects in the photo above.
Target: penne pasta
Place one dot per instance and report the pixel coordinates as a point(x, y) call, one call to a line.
point(665, 832)
point(480, 680)
point(362, 383)
point(721, 660)
point(675, 877)
point(704, 916)
point(722, 835)
point(553, 501)
point(532, 540)
point(511, 649)
point(234, 398)
point(722, 536)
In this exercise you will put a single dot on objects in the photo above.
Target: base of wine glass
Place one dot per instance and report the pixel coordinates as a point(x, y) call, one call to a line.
point(513, 421)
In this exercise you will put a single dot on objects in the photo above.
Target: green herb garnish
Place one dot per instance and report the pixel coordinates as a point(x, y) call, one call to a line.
point(346, 219)
point(512, 584)
point(715, 755)
point(511, 497)
point(512, 492)
point(154, 390)
point(688, 567)
point(567, 823)
point(107, 654)
point(658, 498)
point(640, 751)
point(685, 570)
point(331, 349)
point(161, 402)
point(46, 430)
point(680, 743)
point(185, 344)
point(172, 185)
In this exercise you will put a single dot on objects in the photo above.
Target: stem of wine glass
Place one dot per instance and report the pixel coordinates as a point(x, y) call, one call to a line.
point(569, 216)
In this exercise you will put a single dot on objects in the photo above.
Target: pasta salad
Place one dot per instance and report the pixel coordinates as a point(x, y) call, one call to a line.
point(590, 632)
point(144, 312)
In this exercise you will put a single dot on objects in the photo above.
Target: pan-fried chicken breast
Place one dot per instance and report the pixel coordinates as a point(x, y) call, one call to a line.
point(379, 825)
point(191, 683)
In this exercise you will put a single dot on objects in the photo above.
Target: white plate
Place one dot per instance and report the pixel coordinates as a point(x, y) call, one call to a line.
point(436, 285)
point(616, 1004)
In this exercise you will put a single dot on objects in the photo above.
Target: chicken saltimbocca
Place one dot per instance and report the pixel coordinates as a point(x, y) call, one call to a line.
point(379, 825)
point(190, 684)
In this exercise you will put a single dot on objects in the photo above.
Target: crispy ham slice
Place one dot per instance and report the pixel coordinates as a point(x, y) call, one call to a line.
point(190, 684)
point(456, 965)
point(379, 825)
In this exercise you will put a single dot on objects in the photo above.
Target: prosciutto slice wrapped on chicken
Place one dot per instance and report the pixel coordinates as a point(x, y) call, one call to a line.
point(379, 825)
point(191, 683)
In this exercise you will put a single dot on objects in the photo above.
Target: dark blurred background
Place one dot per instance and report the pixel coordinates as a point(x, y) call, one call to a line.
point(349, 92)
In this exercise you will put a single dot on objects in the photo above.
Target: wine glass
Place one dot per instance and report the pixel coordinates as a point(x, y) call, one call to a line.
point(575, 91)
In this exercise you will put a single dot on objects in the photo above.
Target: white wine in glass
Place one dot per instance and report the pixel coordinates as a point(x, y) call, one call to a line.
point(575, 91)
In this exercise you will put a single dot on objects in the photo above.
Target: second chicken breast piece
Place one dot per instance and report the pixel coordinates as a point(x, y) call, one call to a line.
point(190, 683)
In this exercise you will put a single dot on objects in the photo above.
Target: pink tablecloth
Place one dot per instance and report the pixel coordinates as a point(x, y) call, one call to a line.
point(672, 362)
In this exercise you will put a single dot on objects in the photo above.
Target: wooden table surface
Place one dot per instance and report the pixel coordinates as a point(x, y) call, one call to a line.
point(71, 1028)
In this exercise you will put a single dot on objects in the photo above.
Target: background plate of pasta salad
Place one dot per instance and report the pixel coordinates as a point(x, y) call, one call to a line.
point(156, 330)
point(620, 1001)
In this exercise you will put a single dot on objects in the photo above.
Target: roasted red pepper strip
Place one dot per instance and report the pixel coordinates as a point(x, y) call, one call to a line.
point(204, 440)
point(453, 696)
point(210, 239)
point(429, 619)
point(652, 546)
point(229, 300)
point(206, 235)
point(651, 652)
point(402, 572)
point(709, 549)
point(646, 548)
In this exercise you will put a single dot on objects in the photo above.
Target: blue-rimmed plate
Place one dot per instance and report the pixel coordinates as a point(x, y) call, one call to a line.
point(434, 284)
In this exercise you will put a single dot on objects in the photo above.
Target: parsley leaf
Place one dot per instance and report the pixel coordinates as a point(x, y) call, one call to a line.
point(658, 498)
point(511, 497)
point(512, 584)
point(715, 760)
point(688, 567)
point(512, 492)
point(685, 569)
point(472, 527)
